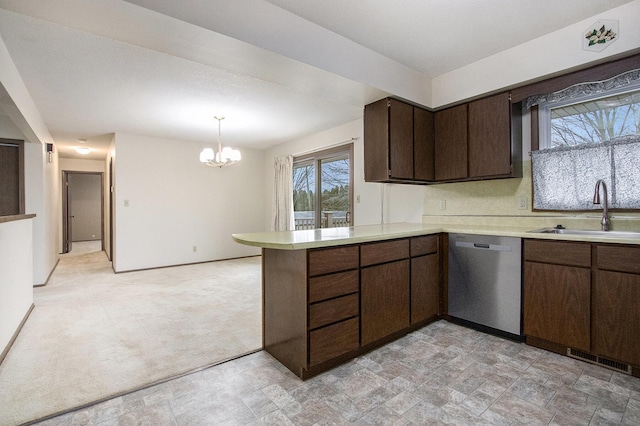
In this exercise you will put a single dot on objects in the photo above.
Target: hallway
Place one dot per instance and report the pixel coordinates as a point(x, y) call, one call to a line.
point(94, 334)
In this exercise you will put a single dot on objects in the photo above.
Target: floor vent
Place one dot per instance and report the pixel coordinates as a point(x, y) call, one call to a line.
point(594, 359)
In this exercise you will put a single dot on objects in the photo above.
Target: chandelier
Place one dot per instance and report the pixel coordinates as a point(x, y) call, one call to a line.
point(224, 157)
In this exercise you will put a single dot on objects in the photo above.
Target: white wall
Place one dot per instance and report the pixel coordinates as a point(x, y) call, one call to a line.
point(81, 165)
point(547, 55)
point(9, 130)
point(402, 203)
point(176, 203)
point(41, 178)
point(16, 279)
point(42, 191)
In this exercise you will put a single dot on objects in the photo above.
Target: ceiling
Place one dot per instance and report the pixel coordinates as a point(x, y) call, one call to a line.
point(276, 70)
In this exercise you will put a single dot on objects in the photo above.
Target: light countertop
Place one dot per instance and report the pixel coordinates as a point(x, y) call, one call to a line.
point(326, 237)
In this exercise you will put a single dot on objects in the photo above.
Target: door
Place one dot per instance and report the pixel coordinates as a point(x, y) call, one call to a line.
point(557, 304)
point(83, 208)
point(490, 136)
point(425, 287)
point(323, 189)
point(616, 315)
point(451, 143)
point(384, 291)
point(111, 209)
point(400, 140)
point(66, 214)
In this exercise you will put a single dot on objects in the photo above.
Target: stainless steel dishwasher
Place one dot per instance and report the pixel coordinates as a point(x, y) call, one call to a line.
point(485, 283)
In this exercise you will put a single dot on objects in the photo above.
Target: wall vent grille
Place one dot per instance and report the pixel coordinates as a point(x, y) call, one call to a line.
point(594, 359)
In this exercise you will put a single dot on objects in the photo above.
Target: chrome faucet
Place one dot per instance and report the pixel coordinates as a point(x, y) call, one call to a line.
point(606, 223)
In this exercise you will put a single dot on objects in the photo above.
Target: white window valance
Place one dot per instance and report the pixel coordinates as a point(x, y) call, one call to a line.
point(564, 178)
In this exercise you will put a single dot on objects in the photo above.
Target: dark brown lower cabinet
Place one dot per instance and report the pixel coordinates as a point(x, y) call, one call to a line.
point(329, 342)
point(384, 292)
point(425, 287)
point(557, 302)
point(325, 306)
point(616, 321)
point(579, 304)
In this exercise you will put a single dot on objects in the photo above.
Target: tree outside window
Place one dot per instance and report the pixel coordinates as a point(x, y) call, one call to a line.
point(596, 120)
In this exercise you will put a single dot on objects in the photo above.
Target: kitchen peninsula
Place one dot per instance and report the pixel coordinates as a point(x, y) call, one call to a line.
point(332, 294)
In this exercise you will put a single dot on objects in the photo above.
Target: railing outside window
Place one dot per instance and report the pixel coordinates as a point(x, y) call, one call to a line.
point(305, 220)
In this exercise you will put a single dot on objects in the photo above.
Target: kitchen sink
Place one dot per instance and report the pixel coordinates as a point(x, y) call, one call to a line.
point(589, 232)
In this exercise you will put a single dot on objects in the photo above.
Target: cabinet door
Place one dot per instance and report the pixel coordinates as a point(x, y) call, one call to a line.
point(400, 140)
point(451, 143)
point(376, 141)
point(425, 287)
point(384, 302)
point(490, 136)
point(423, 145)
point(617, 316)
point(557, 304)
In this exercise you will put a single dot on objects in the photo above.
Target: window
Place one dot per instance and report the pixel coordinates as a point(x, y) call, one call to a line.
point(590, 120)
point(11, 177)
point(322, 188)
point(585, 139)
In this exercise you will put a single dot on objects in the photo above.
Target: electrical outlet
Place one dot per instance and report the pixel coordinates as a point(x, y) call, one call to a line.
point(126, 203)
point(195, 249)
point(443, 204)
point(522, 202)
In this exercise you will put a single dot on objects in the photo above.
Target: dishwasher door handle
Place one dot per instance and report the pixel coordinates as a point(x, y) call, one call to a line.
point(483, 246)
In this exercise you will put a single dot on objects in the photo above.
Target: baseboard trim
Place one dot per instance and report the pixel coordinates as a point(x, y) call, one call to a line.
point(4, 353)
point(50, 274)
point(182, 264)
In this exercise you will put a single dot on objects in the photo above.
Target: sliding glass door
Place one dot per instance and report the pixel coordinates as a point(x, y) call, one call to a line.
point(322, 188)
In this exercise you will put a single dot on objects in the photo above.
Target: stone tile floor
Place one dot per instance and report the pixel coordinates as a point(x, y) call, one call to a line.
point(440, 374)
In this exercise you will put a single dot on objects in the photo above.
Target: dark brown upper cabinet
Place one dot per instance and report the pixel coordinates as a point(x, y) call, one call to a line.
point(478, 140)
point(398, 142)
point(423, 145)
point(490, 136)
point(451, 143)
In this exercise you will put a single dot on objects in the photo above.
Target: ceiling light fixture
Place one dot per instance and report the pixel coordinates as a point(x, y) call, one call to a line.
point(224, 157)
point(83, 150)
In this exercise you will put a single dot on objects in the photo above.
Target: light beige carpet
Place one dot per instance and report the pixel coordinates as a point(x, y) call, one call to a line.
point(95, 334)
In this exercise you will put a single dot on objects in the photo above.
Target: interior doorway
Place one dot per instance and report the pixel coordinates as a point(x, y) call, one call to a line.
point(82, 208)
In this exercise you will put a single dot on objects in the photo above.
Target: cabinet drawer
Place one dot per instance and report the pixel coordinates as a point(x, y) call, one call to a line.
point(333, 285)
point(616, 258)
point(324, 261)
point(334, 310)
point(334, 340)
point(558, 252)
point(371, 254)
point(424, 245)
